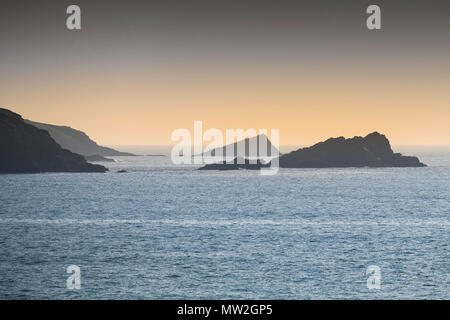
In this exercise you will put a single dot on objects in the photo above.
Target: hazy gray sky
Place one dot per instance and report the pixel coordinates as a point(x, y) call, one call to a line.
point(309, 68)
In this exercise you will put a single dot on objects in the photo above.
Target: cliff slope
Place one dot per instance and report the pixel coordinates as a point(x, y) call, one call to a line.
point(27, 149)
point(76, 141)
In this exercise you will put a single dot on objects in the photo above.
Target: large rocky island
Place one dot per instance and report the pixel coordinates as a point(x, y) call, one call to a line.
point(373, 150)
point(27, 149)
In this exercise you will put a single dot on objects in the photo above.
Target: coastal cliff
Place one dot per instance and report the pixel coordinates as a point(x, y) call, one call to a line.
point(76, 141)
point(27, 149)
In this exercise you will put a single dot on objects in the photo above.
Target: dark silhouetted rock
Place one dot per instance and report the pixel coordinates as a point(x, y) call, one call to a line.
point(77, 141)
point(237, 163)
point(27, 149)
point(97, 158)
point(374, 150)
point(245, 144)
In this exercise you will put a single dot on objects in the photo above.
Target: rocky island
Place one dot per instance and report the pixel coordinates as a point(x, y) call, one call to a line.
point(236, 163)
point(27, 149)
point(245, 144)
point(373, 150)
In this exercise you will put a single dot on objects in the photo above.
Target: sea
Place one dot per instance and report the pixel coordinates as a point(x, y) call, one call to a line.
point(165, 231)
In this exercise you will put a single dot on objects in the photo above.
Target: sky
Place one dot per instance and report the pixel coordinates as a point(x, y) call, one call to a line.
point(138, 70)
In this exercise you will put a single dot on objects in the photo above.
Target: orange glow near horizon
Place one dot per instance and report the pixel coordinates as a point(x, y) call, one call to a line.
point(306, 108)
point(134, 73)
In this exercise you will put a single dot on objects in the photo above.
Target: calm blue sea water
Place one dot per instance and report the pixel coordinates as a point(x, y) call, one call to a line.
point(164, 232)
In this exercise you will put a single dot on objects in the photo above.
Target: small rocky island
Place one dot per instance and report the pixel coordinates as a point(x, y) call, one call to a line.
point(373, 150)
point(27, 149)
point(236, 163)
